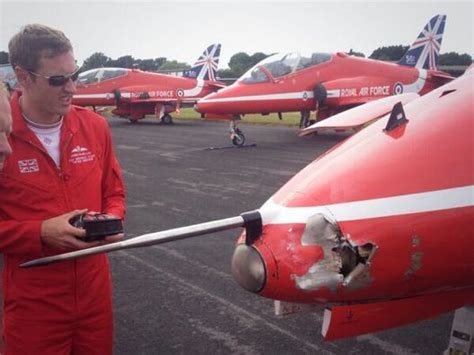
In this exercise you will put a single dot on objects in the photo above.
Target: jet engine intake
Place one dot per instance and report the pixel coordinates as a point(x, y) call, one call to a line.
point(248, 268)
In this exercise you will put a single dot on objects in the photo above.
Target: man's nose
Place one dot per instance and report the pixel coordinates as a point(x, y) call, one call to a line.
point(70, 86)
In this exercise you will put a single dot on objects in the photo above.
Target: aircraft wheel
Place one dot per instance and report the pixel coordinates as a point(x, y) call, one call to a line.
point(167, 119)
point(238, 139)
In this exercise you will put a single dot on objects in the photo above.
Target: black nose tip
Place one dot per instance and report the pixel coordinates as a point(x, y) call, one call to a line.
point(248, 268)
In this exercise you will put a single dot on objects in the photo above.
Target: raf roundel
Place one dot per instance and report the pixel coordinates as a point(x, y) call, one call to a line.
point(398, 89)
point(180, 92)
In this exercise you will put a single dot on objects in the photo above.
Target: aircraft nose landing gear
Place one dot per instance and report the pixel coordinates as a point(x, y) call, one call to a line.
point(236, 135)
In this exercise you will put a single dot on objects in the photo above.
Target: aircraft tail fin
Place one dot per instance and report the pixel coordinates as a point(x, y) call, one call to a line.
point(205, 67)
point(424, 52)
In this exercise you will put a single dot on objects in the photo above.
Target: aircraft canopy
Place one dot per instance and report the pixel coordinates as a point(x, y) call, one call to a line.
point(97, 75)
point(282, 64)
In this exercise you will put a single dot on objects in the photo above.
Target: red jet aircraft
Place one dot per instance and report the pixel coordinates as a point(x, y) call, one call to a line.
point(136, 93)
point(327, 83)
point(379, 229)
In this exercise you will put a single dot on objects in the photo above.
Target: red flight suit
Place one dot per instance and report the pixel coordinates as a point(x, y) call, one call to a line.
point(63, 308)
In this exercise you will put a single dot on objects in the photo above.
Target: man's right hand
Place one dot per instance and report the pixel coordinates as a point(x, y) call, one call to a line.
point(58, 233)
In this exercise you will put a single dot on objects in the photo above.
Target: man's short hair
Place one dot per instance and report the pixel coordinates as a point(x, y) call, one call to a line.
point(34, 42)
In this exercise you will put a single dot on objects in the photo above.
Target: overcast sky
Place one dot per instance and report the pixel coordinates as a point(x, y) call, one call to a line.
point(181, 30)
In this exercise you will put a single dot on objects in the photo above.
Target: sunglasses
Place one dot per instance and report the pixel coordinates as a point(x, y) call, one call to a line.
point(59, 80)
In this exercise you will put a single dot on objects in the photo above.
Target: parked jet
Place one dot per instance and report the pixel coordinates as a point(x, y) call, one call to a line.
point(136, 93)
point(8, 77)
point(328, 83)
point(378, 229)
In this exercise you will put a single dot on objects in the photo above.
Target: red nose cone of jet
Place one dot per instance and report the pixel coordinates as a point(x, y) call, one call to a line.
point(290, 262)
point(204, 106)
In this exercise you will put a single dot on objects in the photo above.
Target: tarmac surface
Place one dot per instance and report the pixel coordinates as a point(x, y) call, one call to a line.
point(180, 297)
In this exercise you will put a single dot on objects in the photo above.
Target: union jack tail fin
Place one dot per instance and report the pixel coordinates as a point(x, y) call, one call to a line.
point(205, 67)
point(424, 52)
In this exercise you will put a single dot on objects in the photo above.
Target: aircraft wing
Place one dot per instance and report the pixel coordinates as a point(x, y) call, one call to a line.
point(360, 115)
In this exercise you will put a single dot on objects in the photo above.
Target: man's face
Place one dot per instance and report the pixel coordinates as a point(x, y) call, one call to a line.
point(52, 100)
point(5, 126)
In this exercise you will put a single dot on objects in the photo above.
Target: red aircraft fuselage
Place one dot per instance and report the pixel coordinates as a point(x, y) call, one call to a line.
point(383, 221)
point(136, 93)
point(337, 82)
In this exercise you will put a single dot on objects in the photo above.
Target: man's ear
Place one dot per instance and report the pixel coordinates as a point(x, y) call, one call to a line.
point(23, 77)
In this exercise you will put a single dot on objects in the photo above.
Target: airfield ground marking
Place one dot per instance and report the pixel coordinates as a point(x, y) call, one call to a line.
point(226, 303)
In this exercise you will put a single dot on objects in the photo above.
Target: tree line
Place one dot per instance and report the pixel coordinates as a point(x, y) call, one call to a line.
point(241, 62)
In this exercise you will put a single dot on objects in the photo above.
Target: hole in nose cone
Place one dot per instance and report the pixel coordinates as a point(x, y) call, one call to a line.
point(248, 268)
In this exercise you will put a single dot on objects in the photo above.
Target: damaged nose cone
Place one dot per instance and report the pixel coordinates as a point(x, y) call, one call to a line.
point(248, 268)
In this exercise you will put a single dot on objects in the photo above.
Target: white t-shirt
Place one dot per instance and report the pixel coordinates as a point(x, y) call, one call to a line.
point(49, 136)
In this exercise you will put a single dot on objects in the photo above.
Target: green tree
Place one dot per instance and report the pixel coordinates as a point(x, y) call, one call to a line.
point(257, 57)
point(96, 60)
point(126, 61)
point(159, 61)
point(226, 73)
point(241, 62)
point(4, 57)
point(174, 65)
point(147, 64)
point(389, 53)
point(453, 58)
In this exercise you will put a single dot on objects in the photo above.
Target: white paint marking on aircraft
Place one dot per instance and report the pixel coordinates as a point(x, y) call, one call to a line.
point(107, 95)
point(333, 93)
point(376, 208)
point(195, 90)
point(301, 95)
point(94, 96)
point(417, 85)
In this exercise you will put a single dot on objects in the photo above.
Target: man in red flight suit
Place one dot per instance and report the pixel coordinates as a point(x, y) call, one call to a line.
point(62, 164)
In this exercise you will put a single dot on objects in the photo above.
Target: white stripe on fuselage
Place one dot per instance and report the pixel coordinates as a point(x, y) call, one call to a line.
point(285, 96)
point(195, 90)
point(187, 93)
point(431, 201)
point(108, 96)
point(418, 84)
point(94, 96)
point(304, 95)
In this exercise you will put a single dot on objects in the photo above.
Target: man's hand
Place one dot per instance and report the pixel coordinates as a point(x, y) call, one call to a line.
point(111, 238)
point(58, 233)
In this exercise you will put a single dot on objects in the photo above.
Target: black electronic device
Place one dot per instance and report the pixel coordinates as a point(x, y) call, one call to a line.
point(97, 225)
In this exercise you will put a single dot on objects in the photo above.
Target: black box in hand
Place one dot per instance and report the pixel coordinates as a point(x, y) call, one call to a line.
point(97, 226)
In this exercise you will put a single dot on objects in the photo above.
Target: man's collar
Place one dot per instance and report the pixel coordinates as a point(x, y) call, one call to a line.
point(70, 123)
